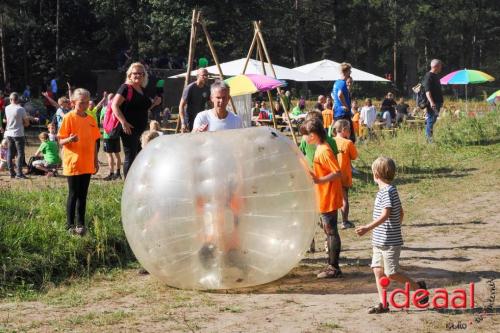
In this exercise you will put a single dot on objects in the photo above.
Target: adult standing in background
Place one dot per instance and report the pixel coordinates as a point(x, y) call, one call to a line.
point(434, 95)
point(131, 105)
point(17, 120)
point(218, 118)
point(194, 99)
point(342, 98)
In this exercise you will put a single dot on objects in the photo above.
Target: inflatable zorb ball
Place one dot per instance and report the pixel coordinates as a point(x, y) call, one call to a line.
point(219, 210)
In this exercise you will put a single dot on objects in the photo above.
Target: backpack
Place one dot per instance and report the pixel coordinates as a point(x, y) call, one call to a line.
point(422, 101)
point(111, 124)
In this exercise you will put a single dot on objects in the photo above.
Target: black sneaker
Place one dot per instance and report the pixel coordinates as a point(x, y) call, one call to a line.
point(347, 225)
point(21, 177)
point(423, 285)
point(117, 176)
point(207, 255)
point(109, 177)
point(378, 309)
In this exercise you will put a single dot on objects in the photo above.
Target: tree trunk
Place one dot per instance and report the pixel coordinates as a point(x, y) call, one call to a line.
point(4, 64)
point(57, 38)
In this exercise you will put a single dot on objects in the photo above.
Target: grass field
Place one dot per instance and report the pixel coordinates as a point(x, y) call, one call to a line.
point(51, 281)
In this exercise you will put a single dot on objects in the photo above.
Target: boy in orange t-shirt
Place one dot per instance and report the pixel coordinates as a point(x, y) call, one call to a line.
point(77, 135)
point(355, 117)
point(326, 176)
point(347, 153)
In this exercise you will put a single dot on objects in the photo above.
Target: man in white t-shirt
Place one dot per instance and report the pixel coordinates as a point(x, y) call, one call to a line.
point(17, 120)
point(218, 118)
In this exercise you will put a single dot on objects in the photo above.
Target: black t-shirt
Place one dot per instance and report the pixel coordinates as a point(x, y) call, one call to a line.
point(196, 99)
point(388, 104)
point(135, 111)
point(402, 108)
point(431, 83)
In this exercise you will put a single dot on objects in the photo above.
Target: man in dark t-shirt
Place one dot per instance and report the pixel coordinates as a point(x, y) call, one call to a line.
point(194, 99)
point(434, 95)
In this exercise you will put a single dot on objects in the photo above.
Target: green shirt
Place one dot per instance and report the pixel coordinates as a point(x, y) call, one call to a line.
point(93, 113)
point(50, 152)
point(309, 150)
point(296, 111)
point(103, 113)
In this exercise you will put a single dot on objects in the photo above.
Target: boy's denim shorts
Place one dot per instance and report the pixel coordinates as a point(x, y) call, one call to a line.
point(386, 257)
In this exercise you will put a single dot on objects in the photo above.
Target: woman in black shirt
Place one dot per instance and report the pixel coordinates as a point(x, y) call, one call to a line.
point(131, 106)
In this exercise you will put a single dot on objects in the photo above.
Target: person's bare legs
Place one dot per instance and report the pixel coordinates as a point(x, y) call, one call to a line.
point(118, 162)
point(379, 273)
point(111, 162)
point(345, 204)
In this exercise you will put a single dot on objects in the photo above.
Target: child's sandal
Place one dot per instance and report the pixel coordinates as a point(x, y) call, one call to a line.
point(378, 309)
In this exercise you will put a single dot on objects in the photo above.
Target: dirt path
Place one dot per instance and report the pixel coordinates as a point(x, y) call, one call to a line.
point(451, 239)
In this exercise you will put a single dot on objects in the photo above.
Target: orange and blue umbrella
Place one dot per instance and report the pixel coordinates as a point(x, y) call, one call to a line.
point(466, 76)
point(251, 83)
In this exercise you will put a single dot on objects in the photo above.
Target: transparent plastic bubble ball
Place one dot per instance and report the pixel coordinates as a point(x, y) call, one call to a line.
point(219, 210)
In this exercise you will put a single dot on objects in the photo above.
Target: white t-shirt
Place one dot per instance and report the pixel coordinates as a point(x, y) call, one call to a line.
point(209, 117)
point(387, 119)
point(368, 116)
point(15, 126)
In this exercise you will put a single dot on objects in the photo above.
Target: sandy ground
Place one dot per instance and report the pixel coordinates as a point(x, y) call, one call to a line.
point(451, 239)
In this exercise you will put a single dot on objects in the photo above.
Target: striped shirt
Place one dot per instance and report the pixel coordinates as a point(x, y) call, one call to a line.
point(389, 232)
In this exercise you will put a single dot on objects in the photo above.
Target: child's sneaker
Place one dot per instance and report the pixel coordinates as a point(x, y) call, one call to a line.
point(423, 285)
point(80, 230)
point(378, 309)
point(347, 225)
point(330, 273)
point(207, 255)
point(109, 177)
point(117, 176)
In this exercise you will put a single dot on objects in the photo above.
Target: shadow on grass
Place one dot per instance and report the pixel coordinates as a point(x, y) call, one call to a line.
point(423, 225)
point(357, 279)
point(411, 174)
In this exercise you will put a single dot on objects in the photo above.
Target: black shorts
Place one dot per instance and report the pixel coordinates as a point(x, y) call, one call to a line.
point(112, 145)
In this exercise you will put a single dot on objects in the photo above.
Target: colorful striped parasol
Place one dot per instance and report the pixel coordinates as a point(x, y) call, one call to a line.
point(466, 76)
point(494, 98)
point(251, 83)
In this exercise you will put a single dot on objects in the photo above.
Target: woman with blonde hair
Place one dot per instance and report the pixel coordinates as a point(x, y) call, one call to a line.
point(131, 105)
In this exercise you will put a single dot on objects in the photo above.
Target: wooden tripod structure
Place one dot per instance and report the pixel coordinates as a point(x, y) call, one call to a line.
point(197, 23)
point(258, 40)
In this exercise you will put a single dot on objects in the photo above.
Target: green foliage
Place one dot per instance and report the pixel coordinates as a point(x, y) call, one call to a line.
point(35, 248)
point(93, 34)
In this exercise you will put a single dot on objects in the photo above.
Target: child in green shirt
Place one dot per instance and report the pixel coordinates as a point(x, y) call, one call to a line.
point(50, 151)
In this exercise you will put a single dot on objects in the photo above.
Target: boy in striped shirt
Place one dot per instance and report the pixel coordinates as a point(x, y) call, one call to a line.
point(386, 238)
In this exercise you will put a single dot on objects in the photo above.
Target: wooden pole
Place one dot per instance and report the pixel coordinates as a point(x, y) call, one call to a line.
point(252, 47)
point(192, 46)
point(214, 55)
point(269, 96)
point(261, 39)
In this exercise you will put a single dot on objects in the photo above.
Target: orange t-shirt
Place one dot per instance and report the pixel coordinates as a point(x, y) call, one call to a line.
point(347, 152)
point(329, 194)
point(355, 123)
point(79, 157)
point(327, 117)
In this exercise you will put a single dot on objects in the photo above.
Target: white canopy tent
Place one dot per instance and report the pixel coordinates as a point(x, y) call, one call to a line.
point(327, 70)
point(235, 67)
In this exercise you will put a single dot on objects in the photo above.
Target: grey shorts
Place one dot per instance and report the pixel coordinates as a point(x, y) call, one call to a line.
point(386, 257)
